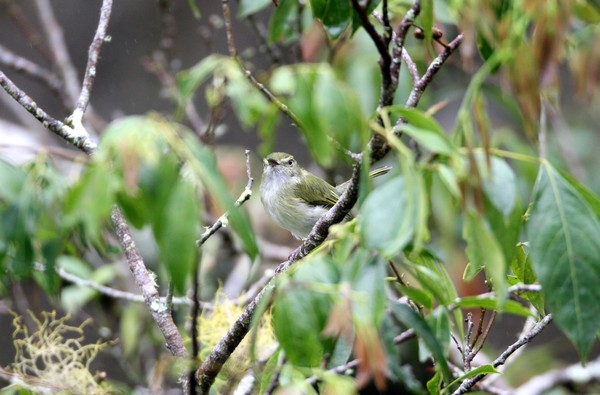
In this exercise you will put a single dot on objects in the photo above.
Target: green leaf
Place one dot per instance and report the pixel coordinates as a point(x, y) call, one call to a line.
point(269, 370)
point(499, 182)
point(427, 19)
point(300, 84)
point(301, 310)
point(484, 251)
point(90, 201)
point(483, 369)
point(368, 289)
point(510, 306)
point(523, 271)
point(249, 7)
point(423, 128)
point(188, 81)
point(12, 179)
point(335, 15)
point(205, 165)
point(283, 20)
point(419, 296)
point(413, 320)
point(386, 222)
point(434, 384)
point(176, 230)
point(564, 238)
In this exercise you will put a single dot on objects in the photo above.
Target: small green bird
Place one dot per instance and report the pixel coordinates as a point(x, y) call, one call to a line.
point(295, 198)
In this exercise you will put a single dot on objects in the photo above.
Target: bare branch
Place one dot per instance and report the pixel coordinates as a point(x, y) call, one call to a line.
point(574, 376)
point(34, 38)
point(78, 138)
point(501, 360)
point(434, 67)
point(93, 54)
point(123, 295)
point(58, 48)
point(412, 67)
point(30, 69)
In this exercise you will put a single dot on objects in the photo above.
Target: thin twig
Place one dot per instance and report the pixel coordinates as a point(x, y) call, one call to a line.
point(92, 61)
point(404, 336)
point(485, 334)
point(466, 385)
point(261, 31)
point(58, 48)
point(195, 329)
point(78, 138)
point(118, 294)
point(34, 38)
point(434, 67)
point(342, 369)
point(380, 42)
point(479, 331)
point(411, 66)
point(246, 194)
point(275, 379)
point(30, 69)
point(467, 355)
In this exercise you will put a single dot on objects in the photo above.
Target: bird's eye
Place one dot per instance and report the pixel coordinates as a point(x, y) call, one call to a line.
point(290, 162)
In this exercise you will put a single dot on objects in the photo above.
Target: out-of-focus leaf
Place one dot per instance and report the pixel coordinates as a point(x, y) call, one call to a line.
point(269, 370)
point(448, 177)
point(90, 201)
point(484, 251)
point(176, 231)
point(564, 240)
point(523, 271)
point(301, 103)
point(283, 20)
point(249, 7)
point(386, 223)
point(368, 288)
point(499, 183)
point(413, 320)
point(427, 19)
point(188, 81)
point(423, 128)
point(419, 296)
point(130, 327)
point(206, 166)
point(12, 179)
point(194, 8)
point(300, 311)
point(335, 15)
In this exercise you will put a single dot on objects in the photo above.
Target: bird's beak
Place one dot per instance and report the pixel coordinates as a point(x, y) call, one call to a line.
point(271, 162)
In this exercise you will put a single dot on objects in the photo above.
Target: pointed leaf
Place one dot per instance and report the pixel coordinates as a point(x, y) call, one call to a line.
point(413, 320)
point(386, 222)
point(176, 231)
point(564, 237)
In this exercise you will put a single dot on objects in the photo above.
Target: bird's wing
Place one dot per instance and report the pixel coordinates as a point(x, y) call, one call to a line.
point(316, 191)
